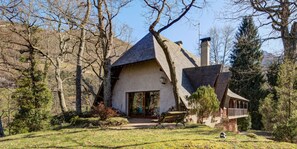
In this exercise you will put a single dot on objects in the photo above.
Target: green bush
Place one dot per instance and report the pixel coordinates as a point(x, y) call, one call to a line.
point(287, 131)
point(63, 117)
point(67, 116)
point(91, 122)
point(244, 123)
point(203, 102)
point(84, 122)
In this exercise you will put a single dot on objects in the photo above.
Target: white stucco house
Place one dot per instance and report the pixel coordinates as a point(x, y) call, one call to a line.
point(141, 83)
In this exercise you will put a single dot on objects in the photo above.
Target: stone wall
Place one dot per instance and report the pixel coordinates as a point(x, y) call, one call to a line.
point(229, 125)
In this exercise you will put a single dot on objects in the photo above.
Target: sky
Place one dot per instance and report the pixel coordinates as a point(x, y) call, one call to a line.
point(189, 32)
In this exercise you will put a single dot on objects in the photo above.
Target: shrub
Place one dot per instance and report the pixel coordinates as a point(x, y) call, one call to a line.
point(203, 102)
point(67, 116)
point(244, 123)
point(287, 131)
point(115, 121)
point(63, 117)
point(91, 122)
point(104, 112)
point(84, 122)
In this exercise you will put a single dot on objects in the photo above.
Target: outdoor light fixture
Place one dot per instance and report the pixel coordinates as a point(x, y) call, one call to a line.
point(163, 80)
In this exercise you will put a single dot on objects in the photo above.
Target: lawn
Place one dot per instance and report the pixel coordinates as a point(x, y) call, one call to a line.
point(189, 137)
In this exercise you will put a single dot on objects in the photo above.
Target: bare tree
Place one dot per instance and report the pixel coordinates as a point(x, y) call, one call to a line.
point(221, 44)
point(215, 45)
point(79, 65)
point(61, 27)
point(280, 14)
point(227, 42)
point(106, 12)
point(162, 11)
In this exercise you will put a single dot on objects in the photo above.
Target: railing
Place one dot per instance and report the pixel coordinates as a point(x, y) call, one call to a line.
point(237, 112)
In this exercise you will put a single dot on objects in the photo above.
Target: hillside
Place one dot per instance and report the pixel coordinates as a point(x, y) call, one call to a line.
point(11, 67)
point(189, 137)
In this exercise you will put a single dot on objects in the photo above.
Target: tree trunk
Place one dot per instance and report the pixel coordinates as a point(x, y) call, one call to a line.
point(78, 80)
point(106, 42)
point(288, 38)
point(60, 86)
point(81, 49)
point(107, 82)
point(170, 65)
point(1, 127)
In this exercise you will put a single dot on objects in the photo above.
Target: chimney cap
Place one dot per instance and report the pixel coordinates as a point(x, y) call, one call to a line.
point(179, 42)
point(205, 39)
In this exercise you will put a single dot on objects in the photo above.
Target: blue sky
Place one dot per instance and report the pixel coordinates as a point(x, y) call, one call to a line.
point(188, 31)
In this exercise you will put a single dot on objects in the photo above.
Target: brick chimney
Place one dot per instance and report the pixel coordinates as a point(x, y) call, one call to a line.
point(205, 47)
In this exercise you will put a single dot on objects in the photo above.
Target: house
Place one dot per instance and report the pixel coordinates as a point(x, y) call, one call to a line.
point(141, 83)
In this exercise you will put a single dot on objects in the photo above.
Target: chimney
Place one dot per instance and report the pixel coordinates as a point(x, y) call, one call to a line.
point(205, 46)
point(179, 43)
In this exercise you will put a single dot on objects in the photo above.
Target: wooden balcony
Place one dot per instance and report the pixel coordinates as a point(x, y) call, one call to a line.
point(233, 113)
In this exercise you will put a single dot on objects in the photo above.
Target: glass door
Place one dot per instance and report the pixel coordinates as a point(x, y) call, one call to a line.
point(143, 104)
point(136, 104)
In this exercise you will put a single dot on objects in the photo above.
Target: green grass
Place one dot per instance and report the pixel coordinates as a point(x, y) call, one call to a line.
point(190, 137)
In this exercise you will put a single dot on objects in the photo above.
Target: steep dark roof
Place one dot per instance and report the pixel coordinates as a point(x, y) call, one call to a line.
point(222, 84)
point(209, 75)
point(141, 51)
point(206, 75)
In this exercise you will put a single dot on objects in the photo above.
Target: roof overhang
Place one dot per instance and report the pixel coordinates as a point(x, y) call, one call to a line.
point(236, 96)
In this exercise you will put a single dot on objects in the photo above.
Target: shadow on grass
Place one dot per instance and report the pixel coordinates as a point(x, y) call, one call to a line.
point(33, 135)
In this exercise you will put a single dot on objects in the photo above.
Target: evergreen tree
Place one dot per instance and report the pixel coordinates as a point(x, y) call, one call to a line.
point(286, 89)
point(203, 102)
point(34, 100)
point(280, 115)
point(247, 79)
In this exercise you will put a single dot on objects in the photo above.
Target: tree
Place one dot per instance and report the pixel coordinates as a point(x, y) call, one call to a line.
point(34, 100)
point(79, 62)
point(287, 89)
point(214, 45)
point(203, 102)
point(268, 111)
point(280, 115)
point(221, 44)
point(281, 15)
point(247, 79)
point(32, 94)
point(162, 11)
point(106, 13)
point(58, 22)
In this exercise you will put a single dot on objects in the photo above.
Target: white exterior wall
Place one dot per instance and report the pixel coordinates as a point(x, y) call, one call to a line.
point(144, 76)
